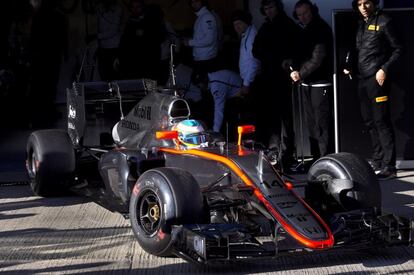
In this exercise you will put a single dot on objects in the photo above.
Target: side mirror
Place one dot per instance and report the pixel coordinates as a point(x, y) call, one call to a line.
point(166, 135)
point(246, 129)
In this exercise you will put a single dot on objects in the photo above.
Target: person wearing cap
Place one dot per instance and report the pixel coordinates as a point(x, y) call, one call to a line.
point(249, 66)
point(378, 49)
point(314, 76)
point(226, 84)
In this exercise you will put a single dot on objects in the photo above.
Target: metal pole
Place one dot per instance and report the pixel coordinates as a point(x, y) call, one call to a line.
point(296, 90)
point(335, 84)
point(301, 124)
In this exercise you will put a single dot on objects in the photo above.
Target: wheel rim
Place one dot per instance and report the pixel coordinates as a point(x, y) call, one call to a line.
point(149, 209)
point(336, 199)
point(324, 177)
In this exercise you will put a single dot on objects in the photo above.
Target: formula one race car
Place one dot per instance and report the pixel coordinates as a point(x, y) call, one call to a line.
point(189, 192)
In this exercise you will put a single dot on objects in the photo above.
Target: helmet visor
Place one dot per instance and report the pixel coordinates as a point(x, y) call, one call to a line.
point(194, 139)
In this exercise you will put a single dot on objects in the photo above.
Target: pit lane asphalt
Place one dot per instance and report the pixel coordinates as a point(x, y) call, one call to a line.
point(71, 235)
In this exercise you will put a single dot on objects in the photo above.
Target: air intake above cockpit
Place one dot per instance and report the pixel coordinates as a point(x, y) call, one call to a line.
point(179, 109)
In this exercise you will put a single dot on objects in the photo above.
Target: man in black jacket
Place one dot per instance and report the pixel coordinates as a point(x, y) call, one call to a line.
point(140, 46)
point(315, 76)
point(274, 46)
point(378, 49)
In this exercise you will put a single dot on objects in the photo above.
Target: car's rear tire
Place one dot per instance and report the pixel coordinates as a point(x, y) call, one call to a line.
point(331, 197)
point(163, 197)
point(50, 162)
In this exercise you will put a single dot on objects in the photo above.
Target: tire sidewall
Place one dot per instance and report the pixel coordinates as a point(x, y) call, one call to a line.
point(32, 158)
point(159, 242)
point(54, 152)
point(366, 191)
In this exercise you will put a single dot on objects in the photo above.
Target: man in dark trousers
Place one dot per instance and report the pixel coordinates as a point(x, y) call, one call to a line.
point(205, 46)
point(140, 46)
point(48, 48)
point(109, 14)
point(274, 46)
point(378, 49)
point(204, 42)
point(314, 75)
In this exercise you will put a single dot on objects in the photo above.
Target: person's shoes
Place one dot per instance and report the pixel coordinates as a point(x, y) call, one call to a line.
point(273, 156)
point(387, 173)
point(376, 166)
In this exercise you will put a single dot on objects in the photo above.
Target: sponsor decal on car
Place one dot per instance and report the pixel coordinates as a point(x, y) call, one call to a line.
point(130, 125)
point(143, 112)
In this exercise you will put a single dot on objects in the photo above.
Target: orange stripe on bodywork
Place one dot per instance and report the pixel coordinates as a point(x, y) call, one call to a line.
point(313, 244)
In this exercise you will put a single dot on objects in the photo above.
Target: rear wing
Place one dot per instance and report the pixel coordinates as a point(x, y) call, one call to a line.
point(94, 107)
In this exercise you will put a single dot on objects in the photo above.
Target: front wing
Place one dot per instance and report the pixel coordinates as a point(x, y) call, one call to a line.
point(207, 243)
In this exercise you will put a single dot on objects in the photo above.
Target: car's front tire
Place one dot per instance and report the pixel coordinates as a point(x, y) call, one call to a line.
point(161, 198)
point(349, 183)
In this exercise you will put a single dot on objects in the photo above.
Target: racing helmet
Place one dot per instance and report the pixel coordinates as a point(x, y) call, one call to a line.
point(190, 132)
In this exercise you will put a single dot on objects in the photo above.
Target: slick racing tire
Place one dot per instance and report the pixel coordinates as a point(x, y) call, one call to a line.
point(161, 198)
point(342, 182)
point(50, 162)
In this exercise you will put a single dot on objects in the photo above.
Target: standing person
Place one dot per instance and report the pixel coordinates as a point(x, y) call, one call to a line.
point(204, 41)
point(140, 48)
point(223, 84)
point(226, 84)
point(249, 66)
point(48, 45)
point(314, 76)
point(109, 14)
point(220, 31)
point(241, 110)
point(378, 49)
point(204, 44)
point(274, 46)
